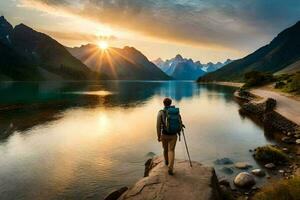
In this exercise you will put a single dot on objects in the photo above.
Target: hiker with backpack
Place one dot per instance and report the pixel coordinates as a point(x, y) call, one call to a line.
point(169, 125)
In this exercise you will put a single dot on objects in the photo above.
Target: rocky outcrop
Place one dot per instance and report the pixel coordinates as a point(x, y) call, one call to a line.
point(198, 182)
point(263, 110)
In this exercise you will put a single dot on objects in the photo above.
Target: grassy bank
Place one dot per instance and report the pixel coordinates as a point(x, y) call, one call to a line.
point(280, 190)
point(289, 83)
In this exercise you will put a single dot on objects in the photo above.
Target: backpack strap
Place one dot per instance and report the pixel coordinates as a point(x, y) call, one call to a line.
point(162, 120)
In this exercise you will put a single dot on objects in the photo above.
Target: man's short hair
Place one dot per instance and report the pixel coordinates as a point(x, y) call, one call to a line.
point(167, 102)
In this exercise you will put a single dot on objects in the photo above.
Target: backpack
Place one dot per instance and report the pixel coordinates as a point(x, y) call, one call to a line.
point(172, 123)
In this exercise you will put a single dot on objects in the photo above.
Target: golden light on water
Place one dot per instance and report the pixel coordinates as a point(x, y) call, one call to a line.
point(95, 93)
point(103, 45)
point(103, 121)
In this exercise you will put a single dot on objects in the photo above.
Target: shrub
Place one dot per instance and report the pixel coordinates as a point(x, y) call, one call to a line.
point(279, 84)
point(256, 78)
point(294, 84)
point(281, 190)
point(270, 154)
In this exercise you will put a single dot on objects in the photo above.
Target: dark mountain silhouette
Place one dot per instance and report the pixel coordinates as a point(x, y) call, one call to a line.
point(35, 56)
point(124, 64)
point(5, 30)
point(281, 52)
point(13, 66)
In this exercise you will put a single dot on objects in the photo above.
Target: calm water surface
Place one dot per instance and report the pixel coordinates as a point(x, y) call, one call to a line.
point(82, 140)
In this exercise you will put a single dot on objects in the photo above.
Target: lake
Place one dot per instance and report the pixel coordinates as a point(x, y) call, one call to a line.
point(77, 140)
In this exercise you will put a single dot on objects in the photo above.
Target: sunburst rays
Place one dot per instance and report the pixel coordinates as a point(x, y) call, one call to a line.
point(108, 60)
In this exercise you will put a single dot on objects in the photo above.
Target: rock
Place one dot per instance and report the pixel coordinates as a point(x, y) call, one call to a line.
point(223, 161)
point(224, 182)
point(242, 165)
point(270, 166)
point(297, 136)
point(244, 179)
point(287, 140)
point(150, 154)
point(226, 192)
point(255, 188)
point(258, 172)
point(285, 149)
point(148, 166)
point(297, 172)
point(289, 134)
point(281, 171)
point(198, 182)
point(270, 154)
point(270, 105)
point(298, 141)
point(116, 194)
point(227, 170)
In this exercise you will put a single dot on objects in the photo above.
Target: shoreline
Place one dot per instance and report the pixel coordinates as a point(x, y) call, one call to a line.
point(288, 105)
point(225, 83)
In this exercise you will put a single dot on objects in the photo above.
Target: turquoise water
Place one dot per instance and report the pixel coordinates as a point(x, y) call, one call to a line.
point(77, 140)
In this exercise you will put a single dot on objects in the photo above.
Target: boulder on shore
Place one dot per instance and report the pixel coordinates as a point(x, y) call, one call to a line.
point(244, 179)
point(198, 182)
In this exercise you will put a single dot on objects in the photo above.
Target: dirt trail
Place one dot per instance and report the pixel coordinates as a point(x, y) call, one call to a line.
point(288, 107)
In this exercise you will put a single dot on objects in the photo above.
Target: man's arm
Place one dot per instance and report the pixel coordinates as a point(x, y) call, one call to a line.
point(180, 118)
point(159, 125)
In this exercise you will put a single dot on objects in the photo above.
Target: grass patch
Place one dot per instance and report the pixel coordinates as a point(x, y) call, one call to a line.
point(281, 190)
point(270, 154)
point(294, 84)
point(288, 83)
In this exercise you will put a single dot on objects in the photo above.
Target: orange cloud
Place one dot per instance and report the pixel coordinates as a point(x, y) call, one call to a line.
point(215, 23)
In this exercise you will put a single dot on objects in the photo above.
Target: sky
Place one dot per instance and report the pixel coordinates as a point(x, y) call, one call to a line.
point(205, 30)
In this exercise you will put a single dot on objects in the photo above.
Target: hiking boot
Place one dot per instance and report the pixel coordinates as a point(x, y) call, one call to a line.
point(170, 172)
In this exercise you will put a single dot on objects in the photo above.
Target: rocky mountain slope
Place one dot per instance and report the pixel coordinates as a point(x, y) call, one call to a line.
point(280, 53)
point(186, 69)
point(31, 55)
point(122, 64)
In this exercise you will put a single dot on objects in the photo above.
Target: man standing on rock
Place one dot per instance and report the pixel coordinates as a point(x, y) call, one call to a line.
point(168, 125)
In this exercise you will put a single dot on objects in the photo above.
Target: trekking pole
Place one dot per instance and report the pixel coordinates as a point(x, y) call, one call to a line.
point(187, 149)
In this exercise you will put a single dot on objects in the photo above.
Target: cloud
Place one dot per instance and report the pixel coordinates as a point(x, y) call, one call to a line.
point(230, 23)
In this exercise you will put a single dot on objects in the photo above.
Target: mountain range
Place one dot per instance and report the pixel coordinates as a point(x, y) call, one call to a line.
point(118, 63)
point(28, 55)
point(186, 69)
point(281, 55)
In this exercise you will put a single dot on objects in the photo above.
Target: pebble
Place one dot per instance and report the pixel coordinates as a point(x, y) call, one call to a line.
point(227, 170)
point(224, 182)
point(270, 166)
point(287, 140)
point(223, 161)
point(285, 149)
point(242, 165)
point(258, 172)
point(289, 134)
point(255, 188)
point(298, 141)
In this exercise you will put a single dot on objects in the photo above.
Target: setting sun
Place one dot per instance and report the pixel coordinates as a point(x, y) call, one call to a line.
point(103, 45)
